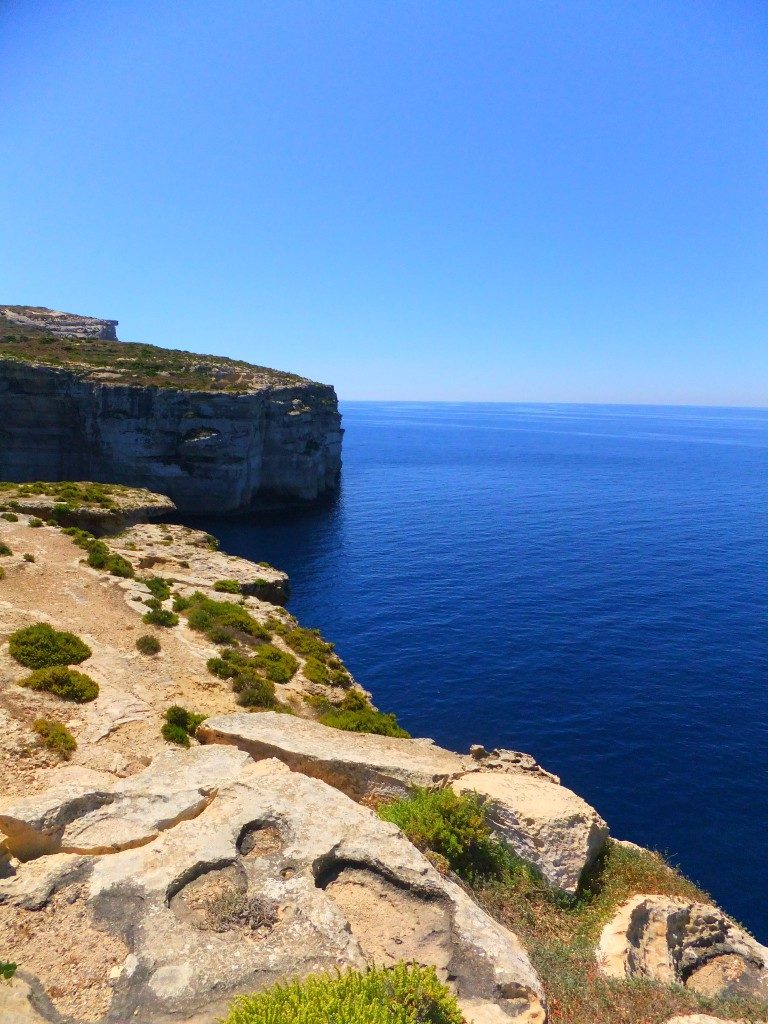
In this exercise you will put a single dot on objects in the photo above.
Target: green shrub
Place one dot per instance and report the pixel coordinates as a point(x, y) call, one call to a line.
point(378, 722)
point(316, 672)
point(277, 665)
point(221, 667)
point(158, 587)
point(160, 617)
point(210, 542)
point(228, 587)
point(452, 826)
point(2, 573)
point(10, 517)
point(174, 734)
point(220, 620)
point(403, 994)
point(254, 692)
point(7, 970)
point(180, 604)
point(148, 644)
point(56, 736)
point(63, 682)
point(28, 557)
point(35, 522)
point(308, 643)
point(41, 645)
point(4, 549)
point(184, 719)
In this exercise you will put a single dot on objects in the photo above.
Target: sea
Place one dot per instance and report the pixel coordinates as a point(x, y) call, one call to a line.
point(585, 583)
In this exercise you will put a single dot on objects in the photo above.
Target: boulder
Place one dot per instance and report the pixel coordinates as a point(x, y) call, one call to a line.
point(676, 941)
point(279, 875)
point(361, 765)
point(17, 1003)
point(544, 823)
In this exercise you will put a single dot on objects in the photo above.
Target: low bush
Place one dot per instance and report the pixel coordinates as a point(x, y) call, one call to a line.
point(4, 549)
point(452, 826)
point(254, 692)
point(160, 617)
point(41, 645)
point(180, 724)
point(35, 522)
point(2, 573)
point(228, 587)
point(56, 736)
point(403, 994)
point(355, 714)
point(221, 620)
point(148, 644)
point(221, 667)
point(10, 517)
point(100, 557)
point(28, 557)
point(159, 588)
point(308, 643)
point(63, 682)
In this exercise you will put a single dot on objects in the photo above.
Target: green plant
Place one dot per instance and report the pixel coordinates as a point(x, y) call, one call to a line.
point(379, 722)
point(41, 645)
point(254, 692)
point(159, 588)
point(160, 617)
point(403, 994)
point(100, 557)
point(221, 667)
point(7, 970)
point(63, 682)
point(228, 587)
point(221, 620)
point(4, 549)
point(308, 643)
point(2, 573)
point(148, 644)
point(56, 736)
point(28, 557)
point(174, 734)
point(10, 517)
point(35, 522)
point(452, 826)
point(180, 724)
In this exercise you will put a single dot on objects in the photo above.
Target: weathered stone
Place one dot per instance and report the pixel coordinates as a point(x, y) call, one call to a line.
point(208, 451)
point(76, 817)
point(128, 505)
point(359, 764)
point(675, 941)
point(186, 556)
point(17, 1003)
point(53, 321)
point(546, 824)
point(278, 876)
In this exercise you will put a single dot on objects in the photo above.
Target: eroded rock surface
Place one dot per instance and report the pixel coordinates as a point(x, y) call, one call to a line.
point(546, 824)
point(187, 557)
point(359, 764)
point(279, 875)
point(673, 941)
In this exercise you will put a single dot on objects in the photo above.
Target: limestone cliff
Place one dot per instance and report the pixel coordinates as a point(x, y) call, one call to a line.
point(215, 435)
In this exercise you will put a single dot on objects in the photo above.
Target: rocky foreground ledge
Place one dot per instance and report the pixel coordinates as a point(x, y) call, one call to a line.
point(151, 882)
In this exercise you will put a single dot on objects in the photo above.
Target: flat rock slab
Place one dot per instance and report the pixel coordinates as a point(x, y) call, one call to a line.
point(279, 876)
point(80, 816)
point(185, 556)
point(359, 764)
point(675, 941)
point(544, 823)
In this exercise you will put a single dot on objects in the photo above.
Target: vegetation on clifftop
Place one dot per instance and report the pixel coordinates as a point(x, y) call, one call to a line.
point(127, 362)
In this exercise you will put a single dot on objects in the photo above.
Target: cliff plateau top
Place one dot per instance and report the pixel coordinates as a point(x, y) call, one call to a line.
point(89, 347)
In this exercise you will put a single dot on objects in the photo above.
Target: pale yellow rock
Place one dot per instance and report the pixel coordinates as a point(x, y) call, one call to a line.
point(543, 822)
point(675, 941)
point(15, 1005)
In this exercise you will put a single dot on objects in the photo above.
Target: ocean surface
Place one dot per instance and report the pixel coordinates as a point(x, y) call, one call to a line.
point(585, 583)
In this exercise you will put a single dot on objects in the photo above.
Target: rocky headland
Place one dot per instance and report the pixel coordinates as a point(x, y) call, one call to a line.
point(214, 434)
point(222, 807)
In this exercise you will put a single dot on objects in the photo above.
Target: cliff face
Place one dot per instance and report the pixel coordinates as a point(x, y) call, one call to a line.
point(210, 452)
point(59, 324)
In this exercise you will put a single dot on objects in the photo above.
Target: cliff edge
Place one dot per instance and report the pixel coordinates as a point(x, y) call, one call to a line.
point(214, 434)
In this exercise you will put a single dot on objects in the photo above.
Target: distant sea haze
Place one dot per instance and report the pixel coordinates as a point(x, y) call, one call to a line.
point(585, 583)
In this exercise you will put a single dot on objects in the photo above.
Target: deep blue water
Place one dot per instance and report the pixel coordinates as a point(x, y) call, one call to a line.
point(586, 583)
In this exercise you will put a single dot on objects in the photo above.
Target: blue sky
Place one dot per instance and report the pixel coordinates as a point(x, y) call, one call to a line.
point(515, 201)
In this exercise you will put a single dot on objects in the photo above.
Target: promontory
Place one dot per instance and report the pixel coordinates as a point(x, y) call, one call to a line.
point(216, 435)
